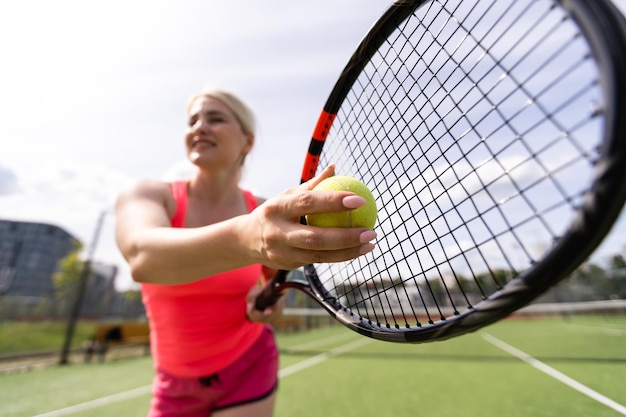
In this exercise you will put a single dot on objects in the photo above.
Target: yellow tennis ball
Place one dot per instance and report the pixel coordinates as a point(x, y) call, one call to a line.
point(364, 216)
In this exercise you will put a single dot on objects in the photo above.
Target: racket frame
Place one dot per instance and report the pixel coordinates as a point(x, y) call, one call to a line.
point(595, 218)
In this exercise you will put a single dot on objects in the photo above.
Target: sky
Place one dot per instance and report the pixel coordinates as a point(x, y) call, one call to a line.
point(93, 95)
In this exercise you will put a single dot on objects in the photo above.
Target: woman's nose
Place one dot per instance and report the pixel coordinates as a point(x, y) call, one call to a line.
point(200, 126)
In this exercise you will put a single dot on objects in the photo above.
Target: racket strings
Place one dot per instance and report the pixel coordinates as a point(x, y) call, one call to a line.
point(476, 126)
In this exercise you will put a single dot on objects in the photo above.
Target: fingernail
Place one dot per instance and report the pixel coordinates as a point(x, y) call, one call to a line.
point(353, 201)
point(366, 248)
point(367, 236)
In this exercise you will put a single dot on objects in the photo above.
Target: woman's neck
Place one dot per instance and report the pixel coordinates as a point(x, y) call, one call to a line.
point(214, 187)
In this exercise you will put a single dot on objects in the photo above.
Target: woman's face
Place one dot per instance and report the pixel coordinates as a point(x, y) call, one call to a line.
point(214, 137)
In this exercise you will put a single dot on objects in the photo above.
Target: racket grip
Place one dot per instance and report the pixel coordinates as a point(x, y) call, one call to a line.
point(271, 293)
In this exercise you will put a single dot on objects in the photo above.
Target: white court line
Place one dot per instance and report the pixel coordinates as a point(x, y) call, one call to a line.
point(137, 392)
point(314, 360)
point(99, 402)
point(572, 383)
point(321, 342)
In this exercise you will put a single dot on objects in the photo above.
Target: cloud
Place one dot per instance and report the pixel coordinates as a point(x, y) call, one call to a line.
point(8, 181)
point(68, 194)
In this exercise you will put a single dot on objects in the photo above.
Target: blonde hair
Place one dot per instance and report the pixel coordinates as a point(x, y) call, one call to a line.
point(242, 112)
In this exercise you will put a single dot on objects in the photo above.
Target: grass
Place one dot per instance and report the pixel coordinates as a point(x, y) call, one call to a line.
point(27, 336)
point(462, 376)
point(36, 392)
point(465, 376)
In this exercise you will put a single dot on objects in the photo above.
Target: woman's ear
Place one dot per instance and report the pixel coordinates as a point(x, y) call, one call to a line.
point(249, 143)
point(247, 147)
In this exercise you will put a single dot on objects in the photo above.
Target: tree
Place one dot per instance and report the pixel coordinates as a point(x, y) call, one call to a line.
point(618, 277)
point(618, 262)
point(67, 278)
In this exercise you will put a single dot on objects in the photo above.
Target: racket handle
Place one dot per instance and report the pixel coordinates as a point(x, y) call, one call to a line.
point(271, 293)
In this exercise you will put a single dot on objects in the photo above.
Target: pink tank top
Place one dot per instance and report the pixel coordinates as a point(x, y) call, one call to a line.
point(199, 328)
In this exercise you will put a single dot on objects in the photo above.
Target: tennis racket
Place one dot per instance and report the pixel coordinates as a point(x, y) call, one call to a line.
point(492, 134)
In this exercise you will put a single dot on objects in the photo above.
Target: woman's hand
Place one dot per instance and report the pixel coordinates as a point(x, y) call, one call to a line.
point(270, 315)
point(282, 242)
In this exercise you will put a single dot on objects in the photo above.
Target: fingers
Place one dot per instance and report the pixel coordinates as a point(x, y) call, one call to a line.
point(285, 243)
point(302, 201)
point(307, 245)
point(269, 314)
point(327, 172)
point(330, 238)
point(325, 255)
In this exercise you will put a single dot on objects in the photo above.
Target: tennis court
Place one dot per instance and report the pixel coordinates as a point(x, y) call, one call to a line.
point(563, 366)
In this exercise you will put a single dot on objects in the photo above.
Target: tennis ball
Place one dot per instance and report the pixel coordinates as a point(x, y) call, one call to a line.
point(364, 216)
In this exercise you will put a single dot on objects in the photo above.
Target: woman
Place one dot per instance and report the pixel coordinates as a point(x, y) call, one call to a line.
point(200, 248)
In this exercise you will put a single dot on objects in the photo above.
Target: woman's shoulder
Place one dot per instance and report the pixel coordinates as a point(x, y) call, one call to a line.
point(149, 190)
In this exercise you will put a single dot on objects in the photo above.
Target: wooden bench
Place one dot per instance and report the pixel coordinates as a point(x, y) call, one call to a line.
point(289, 324)
point(107, 335)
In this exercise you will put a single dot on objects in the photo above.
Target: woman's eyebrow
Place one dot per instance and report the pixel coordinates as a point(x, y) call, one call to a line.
point(208, 113)
point(214, 113)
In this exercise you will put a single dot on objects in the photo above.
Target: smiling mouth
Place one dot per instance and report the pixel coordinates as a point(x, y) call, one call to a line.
point(203, 143)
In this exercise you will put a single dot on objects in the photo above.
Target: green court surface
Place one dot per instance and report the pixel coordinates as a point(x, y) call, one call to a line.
point(539, 368)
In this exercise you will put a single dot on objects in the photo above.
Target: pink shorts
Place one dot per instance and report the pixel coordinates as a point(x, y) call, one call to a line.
point(251, 378)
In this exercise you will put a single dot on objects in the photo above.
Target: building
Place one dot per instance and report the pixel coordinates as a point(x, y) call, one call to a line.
point(29, 257)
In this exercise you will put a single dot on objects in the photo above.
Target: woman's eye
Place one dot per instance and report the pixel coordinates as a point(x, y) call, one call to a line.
point(209, 119)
